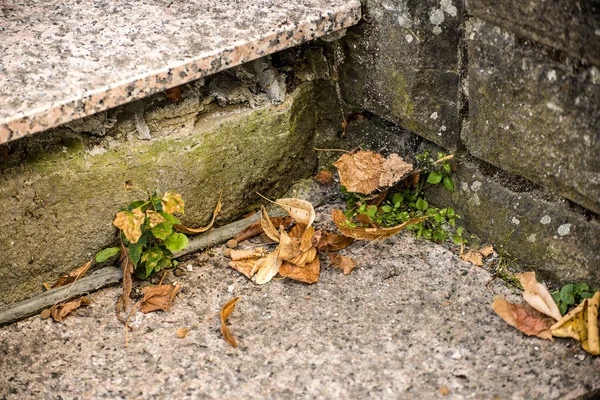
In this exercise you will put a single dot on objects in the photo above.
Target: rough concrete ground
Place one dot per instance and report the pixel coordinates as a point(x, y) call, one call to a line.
point(412, 319)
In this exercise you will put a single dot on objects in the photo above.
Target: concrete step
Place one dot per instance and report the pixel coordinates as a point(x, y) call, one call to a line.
point(66, 60)
point(410, 321)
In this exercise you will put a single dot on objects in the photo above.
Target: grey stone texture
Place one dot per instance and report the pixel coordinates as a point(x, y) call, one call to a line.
point(534, 228)
point(410, 320)
point(572, 26)
point(534, 115)
point(402, 63)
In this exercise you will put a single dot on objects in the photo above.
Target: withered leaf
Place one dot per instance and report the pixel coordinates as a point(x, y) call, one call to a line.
point(154, 218)
point(158, 297)
point(361, 233)
point(59, 311)
point(304, 257)
point(360, 172)
point(225, 313)
point(324, 177)
point(301, 210)
point(538, 296)
point(256, 228)
point(245, 254)
point(73, 275)
point(394, 169)
point(127, 268)
point(130, 223)
point(309, 273)
point(289, 247)
point(333, 242)
point(346, 264)
point(172, 202)
point(174, 94)
point(266, 268)
point(193, 231)
point(244, 267)
point(267, 225)
point(474, 257)
point(487, 251)
point(306, 239)
point(523, 317)
point(581, 324)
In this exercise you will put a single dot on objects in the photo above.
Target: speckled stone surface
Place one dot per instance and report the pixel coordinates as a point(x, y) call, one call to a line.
point(411, 320)
point(60, 61)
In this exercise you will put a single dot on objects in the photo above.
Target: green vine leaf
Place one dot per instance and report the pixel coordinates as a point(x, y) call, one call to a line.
point(107, 253)
point(176, 242)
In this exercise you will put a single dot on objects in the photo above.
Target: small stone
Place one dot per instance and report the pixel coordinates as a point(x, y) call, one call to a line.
point(230, 288)
point(227, 252)
point(182, 332)
point(189, 267)
point(456, 356)
point(232, 243)
point(45, 314)
point(580, 357)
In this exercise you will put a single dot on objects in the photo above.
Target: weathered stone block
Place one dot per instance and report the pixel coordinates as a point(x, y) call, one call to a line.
point(540, 230)
point(60, 189)
point(402, 63)
point(533, 115)
point(572, 26)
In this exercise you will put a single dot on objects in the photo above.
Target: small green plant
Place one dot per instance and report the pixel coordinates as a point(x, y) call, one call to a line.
point(404, 203)
point(146, 233)
point(571, 295)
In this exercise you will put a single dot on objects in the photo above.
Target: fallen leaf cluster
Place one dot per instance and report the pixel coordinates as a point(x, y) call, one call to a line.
point(541, 317)
point(476, 257)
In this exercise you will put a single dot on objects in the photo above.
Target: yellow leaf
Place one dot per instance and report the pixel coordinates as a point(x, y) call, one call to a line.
point(225, 313)
point(267, 225)
point(73, 275)
point(581, 324)
point(130, 223)
point(394, 168)
point(154, 218)
point(193, 231)
point(308, 273)
point(523, 317)
point(266, 268)
point(361, 233)
point(172, 202)
point(360, 172)
point(538, 296)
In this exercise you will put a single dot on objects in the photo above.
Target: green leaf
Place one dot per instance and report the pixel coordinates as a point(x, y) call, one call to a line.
point(556, 297)
point(371, 211)
point(459, 231)
point(176, 241)
point(151, 258)
point(435, 177)
point(450, 212)
point(562, 307)
point(421, 204)
point(398, 198)
point(580, 288)
point(567, 294)
point(587, 295)
point(135, 250)
point(386, 208)
point(447, 167)
point(135, 205)
point(448, 183)
point(107, 253)
point(427, 233)
point(165, 228)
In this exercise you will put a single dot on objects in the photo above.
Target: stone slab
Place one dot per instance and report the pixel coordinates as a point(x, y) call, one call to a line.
point(534, 115)
point(410, 320)
point(537, 230)
point(572, 26)
point(402, 63)
point(61, 62)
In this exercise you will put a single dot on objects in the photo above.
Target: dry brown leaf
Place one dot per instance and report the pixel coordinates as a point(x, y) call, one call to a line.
point(172, 202)
point(72, 276)
point(324, 177)
point(487, 251)
point(297, 230)
point(394, 169)
point(256, 228)
point(266, 268)
point(581, 324)
point(360, 172)
point(306, 241)
point(304, 257)
point(267, 225)
point(474, 257)
point(127, 268)
point(538, 296)
point(130, 223)
point(361, 233)
point(193, 231)
point(248, 254)
point(333, 242)
point(59, 311)
point(225, 313)
point(289, 247)
point(244, 267)
point(154, 218)
point(174, 94)
point(309, 273)
point(346, 264)
point(523, 317)
point(182, 332)
point(301, 210)
point(158, 297)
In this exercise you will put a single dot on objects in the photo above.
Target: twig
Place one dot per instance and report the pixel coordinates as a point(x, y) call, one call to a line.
point(342, 150)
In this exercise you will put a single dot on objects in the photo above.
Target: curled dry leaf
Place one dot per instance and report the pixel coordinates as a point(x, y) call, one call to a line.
point(266, 268)
point(394, 169)
point(309, 273)
point(538, 296)
point(72, 276)
point(474, 257)
point(193, 231)
point(523, 317)
point(158, 297)
point(243, 266)
point(361, 233)
point(289, 247)
point(581, 324)
point(130, 223)
point(127, 268)
point(360, 172)
point(301, 210)
point(248, 254)
point(172, 202)
point(346, 264)
point(304, 257)
point(333, 242)
point(324, 177)
point(256, 228)
point(225, 313)
point(59, 311)
point(487, 251)
point(174, 94)
point(267, 226)
point(306, 241)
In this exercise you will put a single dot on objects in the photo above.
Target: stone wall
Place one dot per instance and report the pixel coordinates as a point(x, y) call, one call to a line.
point(513, 89)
